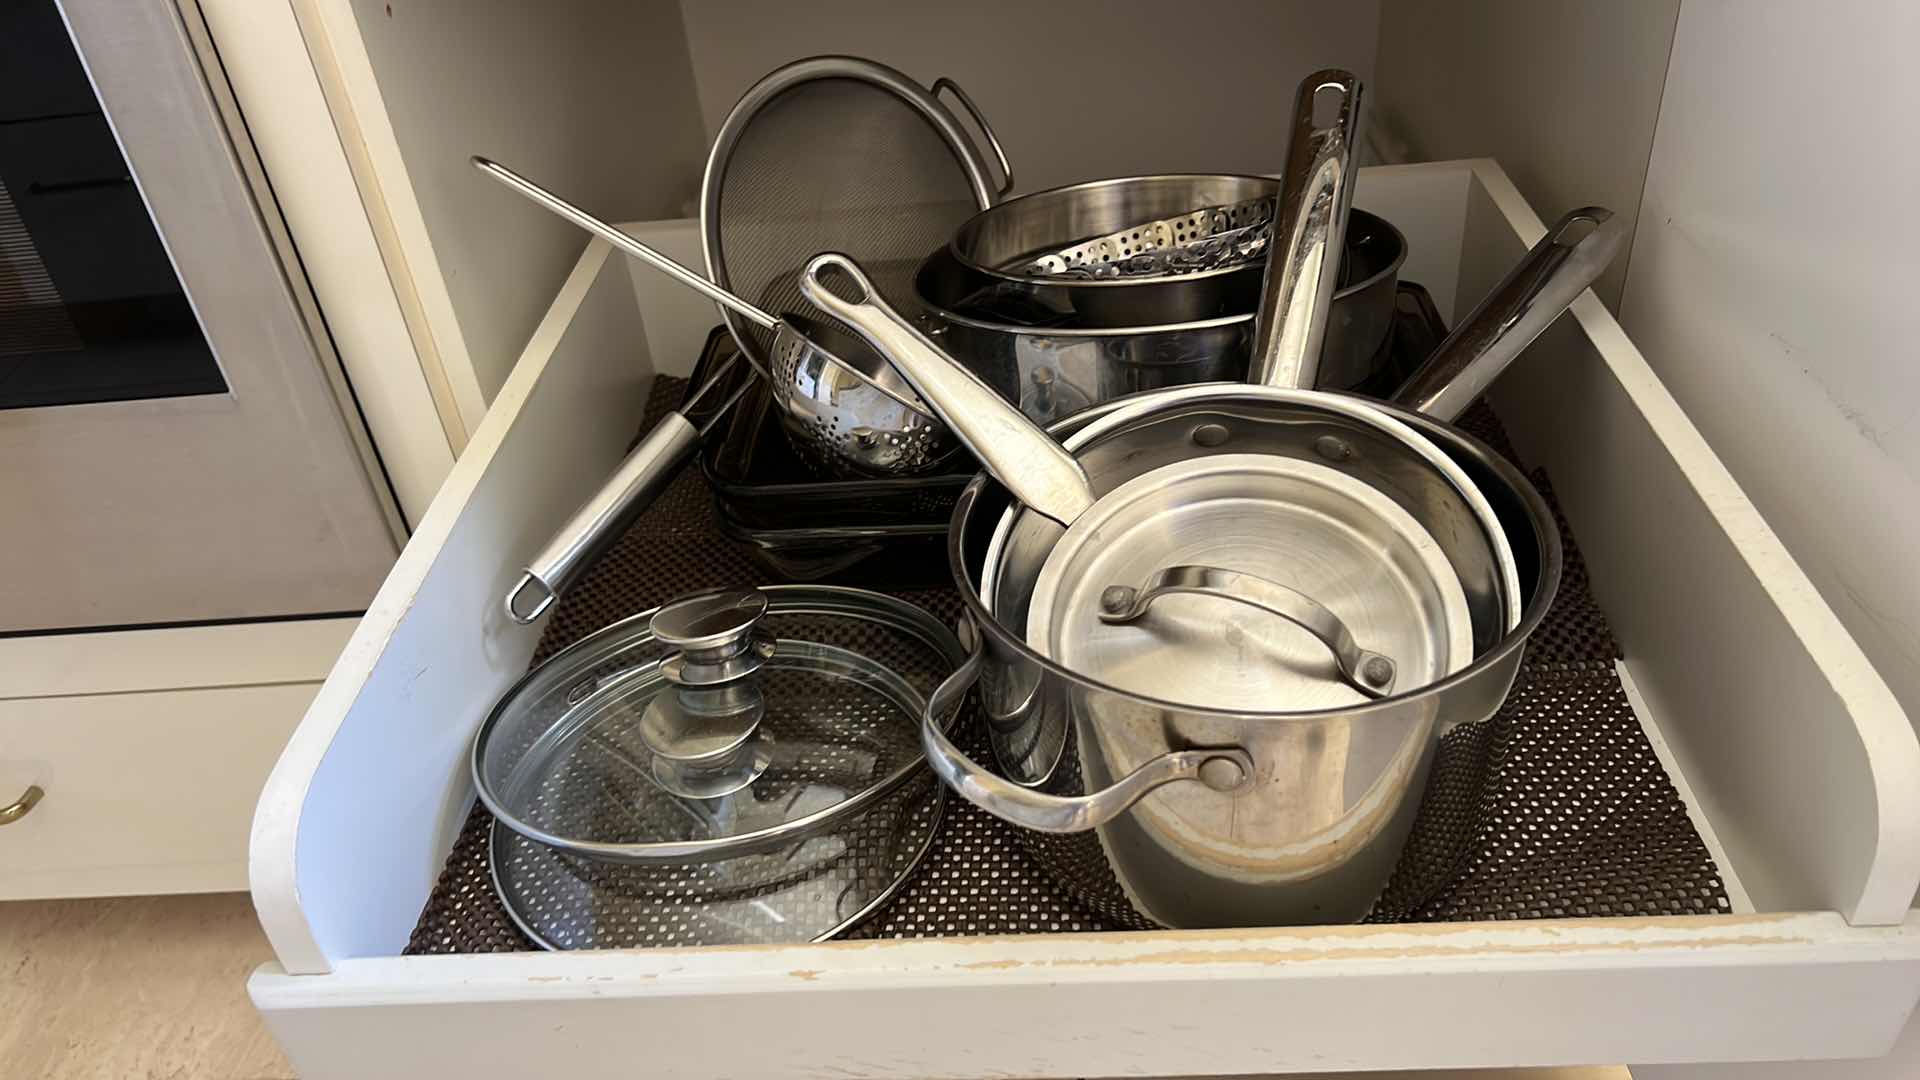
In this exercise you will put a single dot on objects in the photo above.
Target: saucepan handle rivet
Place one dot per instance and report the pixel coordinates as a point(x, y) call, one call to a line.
point(1210, 435)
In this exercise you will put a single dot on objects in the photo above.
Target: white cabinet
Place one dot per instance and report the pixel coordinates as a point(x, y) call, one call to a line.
point(150, 747)
point(1799, 767)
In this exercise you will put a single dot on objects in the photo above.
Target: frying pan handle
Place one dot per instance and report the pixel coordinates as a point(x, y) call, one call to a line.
point(1546, 282)
point(1369, 672)
point(602, 519)
point(1018, 454)
point(641, 477)
point(1226, 769)
point(1309, 236)
point(986, 129)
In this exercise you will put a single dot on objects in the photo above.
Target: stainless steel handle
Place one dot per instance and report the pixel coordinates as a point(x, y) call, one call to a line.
point(1527, 301)
point(625, 243)
point(1038, 471)
point(986, 129)
point(1369, 672)
point(641, 478)
point(1309, 230)
point(18, 808)
point(1225, 769)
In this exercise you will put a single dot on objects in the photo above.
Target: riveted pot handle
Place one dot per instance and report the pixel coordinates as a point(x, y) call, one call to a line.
point(1056, 813)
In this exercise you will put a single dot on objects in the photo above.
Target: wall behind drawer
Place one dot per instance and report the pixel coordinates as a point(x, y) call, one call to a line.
point(1563, 93)
point(1075, 89)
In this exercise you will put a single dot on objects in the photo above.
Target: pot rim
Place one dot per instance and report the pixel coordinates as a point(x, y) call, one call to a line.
point(947, 315)
point(1546, 587)
point(953, 244)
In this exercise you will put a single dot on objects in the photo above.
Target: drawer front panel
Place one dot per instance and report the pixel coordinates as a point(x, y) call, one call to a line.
point(145, 792)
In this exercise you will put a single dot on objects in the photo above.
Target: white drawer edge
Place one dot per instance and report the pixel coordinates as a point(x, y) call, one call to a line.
point(1886, 734)
point(1563, 992)
point(174, 658)
point(1742, 904)
point(274, 843)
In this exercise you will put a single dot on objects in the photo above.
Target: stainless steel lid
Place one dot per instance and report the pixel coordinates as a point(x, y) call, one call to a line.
point(1253, 582)
point(724, 724)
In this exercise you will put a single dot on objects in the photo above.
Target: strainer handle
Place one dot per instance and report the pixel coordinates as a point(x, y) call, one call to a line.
point(1225, 769)
point(627, 244)
point(986, 129)
point(1038, 471)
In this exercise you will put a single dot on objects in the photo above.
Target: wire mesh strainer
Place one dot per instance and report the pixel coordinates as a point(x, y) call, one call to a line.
point(836, 153)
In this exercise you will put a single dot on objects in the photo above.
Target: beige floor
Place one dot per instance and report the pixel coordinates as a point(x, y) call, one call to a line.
point(154, 988)
point(148, 987)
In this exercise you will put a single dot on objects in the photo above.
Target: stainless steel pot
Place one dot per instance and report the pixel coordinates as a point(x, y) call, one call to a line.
point(1032, 347)
point(1158, 813)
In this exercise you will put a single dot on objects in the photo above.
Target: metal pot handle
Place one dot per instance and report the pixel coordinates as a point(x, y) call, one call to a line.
point(1529, 299)
point(986, 129)
point(1309, 227)
point(1019, 454)
point(1223, 769)
point(1369, 672)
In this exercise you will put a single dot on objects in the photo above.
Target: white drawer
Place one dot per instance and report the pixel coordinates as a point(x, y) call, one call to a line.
point(150, 774)
point(1801, 770)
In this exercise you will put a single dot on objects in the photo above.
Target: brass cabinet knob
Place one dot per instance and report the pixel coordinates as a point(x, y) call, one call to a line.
point(20, 806)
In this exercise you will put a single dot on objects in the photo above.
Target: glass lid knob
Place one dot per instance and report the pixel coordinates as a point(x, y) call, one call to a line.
point(714, 633)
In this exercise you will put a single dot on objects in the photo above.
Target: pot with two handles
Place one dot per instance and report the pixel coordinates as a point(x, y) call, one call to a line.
point(1219, 630)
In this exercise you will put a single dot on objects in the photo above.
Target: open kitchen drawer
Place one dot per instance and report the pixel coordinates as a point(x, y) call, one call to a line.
point(1802, 773)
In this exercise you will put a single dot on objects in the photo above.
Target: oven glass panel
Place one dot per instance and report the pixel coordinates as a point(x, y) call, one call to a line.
point(90, 307)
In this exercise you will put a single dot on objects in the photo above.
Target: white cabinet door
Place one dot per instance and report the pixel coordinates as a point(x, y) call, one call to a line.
point(172, 447)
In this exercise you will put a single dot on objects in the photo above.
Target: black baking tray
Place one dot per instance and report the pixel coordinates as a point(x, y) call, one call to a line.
point(800, 526)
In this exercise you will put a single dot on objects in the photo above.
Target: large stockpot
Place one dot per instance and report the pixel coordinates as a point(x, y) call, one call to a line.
point(1159, 813)
point(1053, 371)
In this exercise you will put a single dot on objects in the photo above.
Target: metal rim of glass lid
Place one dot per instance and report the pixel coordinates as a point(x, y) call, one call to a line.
point(837, 153)
point(725, 723)
point(810, 890)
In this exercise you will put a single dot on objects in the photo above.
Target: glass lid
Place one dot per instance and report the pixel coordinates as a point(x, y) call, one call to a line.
point(809, 890)
point(725, 723)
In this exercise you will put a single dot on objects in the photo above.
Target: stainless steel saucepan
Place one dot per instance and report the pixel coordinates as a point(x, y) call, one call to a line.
point(1056, 344)
point(1197, 729)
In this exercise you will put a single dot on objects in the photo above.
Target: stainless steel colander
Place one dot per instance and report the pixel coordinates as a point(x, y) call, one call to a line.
point(849, 410)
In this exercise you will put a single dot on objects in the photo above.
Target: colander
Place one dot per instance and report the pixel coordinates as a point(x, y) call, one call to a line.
point(851, 411)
